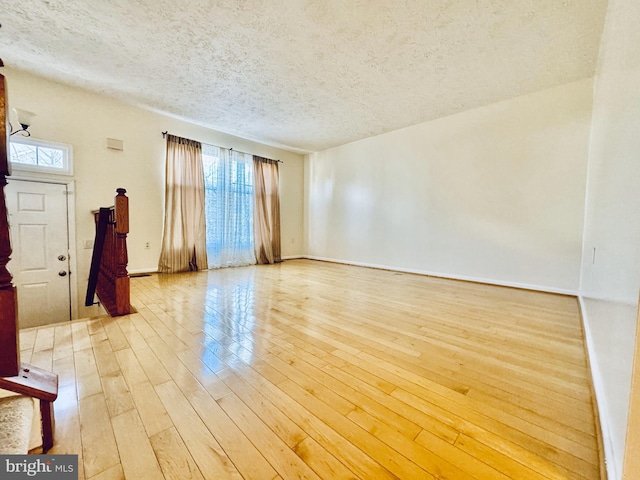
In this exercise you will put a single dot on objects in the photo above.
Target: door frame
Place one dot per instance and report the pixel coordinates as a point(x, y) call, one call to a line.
point(71, 225)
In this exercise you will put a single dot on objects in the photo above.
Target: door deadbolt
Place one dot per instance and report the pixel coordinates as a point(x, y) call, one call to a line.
point(62, 258)
point(62, 273)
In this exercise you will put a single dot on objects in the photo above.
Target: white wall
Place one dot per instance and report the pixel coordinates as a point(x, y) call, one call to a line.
point(612, 223)
point(85, 120)
point(494, 194)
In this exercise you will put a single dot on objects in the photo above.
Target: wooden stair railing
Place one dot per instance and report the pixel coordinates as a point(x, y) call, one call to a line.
point(10, 350)
point(108, 277)
point(16, 376)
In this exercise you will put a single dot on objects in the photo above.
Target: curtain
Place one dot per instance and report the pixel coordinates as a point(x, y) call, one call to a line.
point(184, 235)
point(266, 216)
point(229, 207)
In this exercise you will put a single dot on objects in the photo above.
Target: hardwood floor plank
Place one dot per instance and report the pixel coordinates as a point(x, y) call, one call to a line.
point(386, 456)
point(340, 447)
point(80, 335)
point(413, 415)
point(497, 460)
point(308, 345)
point(152, 413)
point(136, 455)
point(105, 358)
point(62, 344)
point(99, 450)
point(577, 429)
point(379, 410)
point(174, 457)
point(42, 359)
point(116, 394)
point(451, 464)
point(116, 337)
point(311, 384)
point(66, 370)
point(133, 336)
point(142, 326)
point(278, 453)
point(96, 329)
point(437, 394)
point(153, 368)
point(321, 461)
point(281, 425)
point(44, 339)
point(206, 451)
point(67, 433)
point(467, 421)
point(130, 366)
point(239, 446)
point(88, 380)
point(113, 473)
point(190, 372)
point(28, 338)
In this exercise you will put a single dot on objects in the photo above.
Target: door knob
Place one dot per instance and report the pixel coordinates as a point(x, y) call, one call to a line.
point(62, 273)
point(62, 258)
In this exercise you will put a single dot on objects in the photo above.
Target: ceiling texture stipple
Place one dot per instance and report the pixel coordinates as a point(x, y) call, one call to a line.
point(305, 75)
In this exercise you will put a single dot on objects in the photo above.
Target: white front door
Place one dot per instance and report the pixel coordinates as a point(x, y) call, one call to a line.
point(40, 242)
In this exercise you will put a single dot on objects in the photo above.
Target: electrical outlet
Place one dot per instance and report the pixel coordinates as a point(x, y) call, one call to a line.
point(88, 244)
point(147, 245)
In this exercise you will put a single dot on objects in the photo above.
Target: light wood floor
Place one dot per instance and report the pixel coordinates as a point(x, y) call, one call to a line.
point(316, 370)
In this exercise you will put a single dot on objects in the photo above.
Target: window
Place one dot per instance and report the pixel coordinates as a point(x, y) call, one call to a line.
point(31, 155)
point(228, 183)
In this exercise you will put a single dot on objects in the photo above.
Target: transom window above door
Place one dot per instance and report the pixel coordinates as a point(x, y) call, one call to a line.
point(31, 155)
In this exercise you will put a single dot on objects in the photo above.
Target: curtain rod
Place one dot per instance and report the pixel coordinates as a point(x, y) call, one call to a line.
point(164, 135)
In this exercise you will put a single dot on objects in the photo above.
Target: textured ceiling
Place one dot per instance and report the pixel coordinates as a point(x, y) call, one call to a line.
point(305, 75)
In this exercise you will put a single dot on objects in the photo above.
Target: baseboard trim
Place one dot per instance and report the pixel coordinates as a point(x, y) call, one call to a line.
point(134, 271)
point(600, 399)
point(522, 286)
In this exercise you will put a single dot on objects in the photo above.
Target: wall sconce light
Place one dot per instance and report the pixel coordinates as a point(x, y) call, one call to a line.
point(24, 119)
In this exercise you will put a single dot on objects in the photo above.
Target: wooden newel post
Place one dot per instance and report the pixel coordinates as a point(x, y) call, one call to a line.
point(123, 306)
point(9, 342)
point(108, 277)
